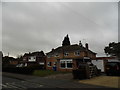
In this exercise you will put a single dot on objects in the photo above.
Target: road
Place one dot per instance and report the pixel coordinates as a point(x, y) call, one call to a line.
point(17, 81)
point(19, 84)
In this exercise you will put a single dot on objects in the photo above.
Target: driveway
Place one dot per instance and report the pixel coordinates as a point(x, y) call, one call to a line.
point(103, 80)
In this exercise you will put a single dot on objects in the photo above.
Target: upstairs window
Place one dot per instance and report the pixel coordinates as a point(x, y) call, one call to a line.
point(32, 58)
point(77, 53)
point(66, 54)
point(56, 55)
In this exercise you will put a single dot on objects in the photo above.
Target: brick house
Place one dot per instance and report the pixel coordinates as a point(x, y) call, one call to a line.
point(7, 61)
point(66, 58)
point(34, 58)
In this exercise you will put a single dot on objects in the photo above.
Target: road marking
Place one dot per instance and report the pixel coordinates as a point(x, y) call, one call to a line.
point(22, 81)
point(22, 85)
point(13, 85)
point(28, 82)
point(41, 86)
point(3, 85)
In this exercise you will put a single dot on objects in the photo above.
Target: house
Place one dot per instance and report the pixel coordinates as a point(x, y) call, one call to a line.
point(34, 58)
point(101, 62)
point(67, 57)
point(8, 61)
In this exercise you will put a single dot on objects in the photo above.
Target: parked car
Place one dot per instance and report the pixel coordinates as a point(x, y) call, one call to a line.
point(113, 68)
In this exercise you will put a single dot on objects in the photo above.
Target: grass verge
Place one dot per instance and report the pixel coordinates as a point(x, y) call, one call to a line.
point(108, 81)
point(43, 73)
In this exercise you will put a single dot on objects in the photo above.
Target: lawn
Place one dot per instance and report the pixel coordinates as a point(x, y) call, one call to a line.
point(108, 81)
point(43, 73)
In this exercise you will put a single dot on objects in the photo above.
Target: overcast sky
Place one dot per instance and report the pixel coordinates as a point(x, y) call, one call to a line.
point(33, 26)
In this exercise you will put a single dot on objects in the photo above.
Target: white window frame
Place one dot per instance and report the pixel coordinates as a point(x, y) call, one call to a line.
point(32, 59)
point(56, 55)
point(76, 53)
point(66, 54)
point(66, 60)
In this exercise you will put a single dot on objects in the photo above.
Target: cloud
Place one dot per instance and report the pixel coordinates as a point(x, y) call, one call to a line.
point(33, 26)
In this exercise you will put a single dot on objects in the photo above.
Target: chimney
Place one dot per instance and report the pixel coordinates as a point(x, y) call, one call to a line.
point(52, 49)
point(80, 44)
point(86, 46)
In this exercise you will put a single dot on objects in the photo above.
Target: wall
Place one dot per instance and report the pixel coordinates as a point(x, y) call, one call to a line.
point(99, 64)
point(71, 55)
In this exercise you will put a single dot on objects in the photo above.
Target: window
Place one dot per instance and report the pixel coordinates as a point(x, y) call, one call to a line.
point(32, 58)
point(69, 64)
point(62, 64)
point(49, 64)
point(56, 55)
point(77, 53)
point(66, 54)
point(66, 63)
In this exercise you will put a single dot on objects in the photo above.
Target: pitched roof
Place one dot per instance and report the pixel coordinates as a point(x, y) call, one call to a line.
point(70, 48)
point(38, 53)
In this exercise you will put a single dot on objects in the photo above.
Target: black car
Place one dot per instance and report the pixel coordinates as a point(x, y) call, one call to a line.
point(113, 68)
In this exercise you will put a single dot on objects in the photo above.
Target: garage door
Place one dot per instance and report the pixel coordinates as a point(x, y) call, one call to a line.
point(99, 64)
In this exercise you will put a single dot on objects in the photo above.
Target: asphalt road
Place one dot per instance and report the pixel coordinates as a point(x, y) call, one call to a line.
point(10, 83)
point(17, 81)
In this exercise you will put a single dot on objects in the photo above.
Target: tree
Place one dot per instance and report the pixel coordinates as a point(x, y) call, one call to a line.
point(66, 41)
point(6, 60)
point(19, 58)
point(113, 49)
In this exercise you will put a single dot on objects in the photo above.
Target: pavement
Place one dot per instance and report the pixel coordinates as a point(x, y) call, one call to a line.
point(29, 81)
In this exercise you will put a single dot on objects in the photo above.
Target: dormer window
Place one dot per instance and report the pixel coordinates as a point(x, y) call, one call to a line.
point(66, 54)
point(77, 53)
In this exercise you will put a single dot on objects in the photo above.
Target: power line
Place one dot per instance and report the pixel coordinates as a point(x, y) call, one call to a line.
point(79, 14)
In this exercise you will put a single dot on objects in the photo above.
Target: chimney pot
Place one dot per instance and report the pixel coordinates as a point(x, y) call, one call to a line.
point(86, 45)
point(52, 49)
